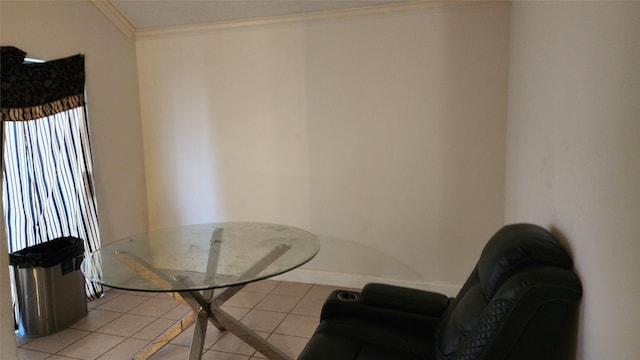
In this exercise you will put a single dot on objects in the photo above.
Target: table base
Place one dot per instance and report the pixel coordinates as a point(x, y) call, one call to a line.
point(204, 310)
point(206, 306)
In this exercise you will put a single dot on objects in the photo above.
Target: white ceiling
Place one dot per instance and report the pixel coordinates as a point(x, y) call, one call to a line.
point(149, 14)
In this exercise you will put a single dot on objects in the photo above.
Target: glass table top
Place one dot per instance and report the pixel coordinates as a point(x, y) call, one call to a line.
point(198, 257)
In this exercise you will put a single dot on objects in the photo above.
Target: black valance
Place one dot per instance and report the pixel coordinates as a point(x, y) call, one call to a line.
point(35, 90)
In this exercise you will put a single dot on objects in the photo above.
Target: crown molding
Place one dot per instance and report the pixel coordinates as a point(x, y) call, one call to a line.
point(115, 17)
point(296, 18)
point(131, 32)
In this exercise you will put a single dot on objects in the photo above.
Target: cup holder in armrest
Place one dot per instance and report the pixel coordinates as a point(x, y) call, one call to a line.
point(347, 296)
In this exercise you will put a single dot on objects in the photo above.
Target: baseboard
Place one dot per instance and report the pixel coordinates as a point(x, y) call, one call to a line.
point(357, 281)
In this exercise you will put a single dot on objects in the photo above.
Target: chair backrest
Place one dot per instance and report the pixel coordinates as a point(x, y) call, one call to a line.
point(519, 302)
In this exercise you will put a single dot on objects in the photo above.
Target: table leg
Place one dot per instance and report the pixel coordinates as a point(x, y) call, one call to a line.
point(249, 336)
point(199, 333)
point(211, 310)
point(163, 339)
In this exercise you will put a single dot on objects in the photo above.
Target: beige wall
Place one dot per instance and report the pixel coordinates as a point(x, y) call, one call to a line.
point(48, 30)
point(573, 153)
point(382, 134)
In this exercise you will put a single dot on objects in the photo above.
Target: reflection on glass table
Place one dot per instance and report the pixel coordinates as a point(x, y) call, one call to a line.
point(191, 261)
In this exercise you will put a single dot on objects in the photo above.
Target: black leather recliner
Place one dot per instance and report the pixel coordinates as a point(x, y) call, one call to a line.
point(520, 302)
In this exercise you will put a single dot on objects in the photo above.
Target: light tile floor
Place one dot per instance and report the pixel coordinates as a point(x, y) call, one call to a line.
point(121, 323)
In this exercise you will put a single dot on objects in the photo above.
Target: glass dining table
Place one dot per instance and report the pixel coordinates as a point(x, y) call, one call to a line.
point(189, 262)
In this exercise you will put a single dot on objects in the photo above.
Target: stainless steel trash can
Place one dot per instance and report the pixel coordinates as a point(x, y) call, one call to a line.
point(50, 286)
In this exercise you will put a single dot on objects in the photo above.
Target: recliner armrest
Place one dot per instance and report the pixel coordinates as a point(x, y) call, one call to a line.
point(404, 299)
point(387, 305)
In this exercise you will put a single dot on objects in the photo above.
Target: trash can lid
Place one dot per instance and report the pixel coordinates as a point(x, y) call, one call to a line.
point(48, 253)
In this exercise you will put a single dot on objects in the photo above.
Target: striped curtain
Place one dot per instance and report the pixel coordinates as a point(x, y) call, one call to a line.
point(47, 171)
